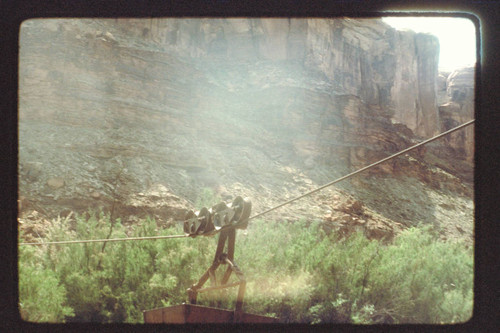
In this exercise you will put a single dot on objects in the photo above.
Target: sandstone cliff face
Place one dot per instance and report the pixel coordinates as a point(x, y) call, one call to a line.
point(395, 70)
point(263, 108)
point(458, 107)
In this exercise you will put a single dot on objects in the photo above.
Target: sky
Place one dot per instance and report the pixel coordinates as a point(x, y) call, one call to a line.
point(457, 37)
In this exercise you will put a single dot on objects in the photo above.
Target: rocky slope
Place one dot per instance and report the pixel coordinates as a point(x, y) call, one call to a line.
point(143, 114)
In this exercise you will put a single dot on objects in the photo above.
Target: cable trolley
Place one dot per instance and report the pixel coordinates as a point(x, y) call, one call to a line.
point(224, 219)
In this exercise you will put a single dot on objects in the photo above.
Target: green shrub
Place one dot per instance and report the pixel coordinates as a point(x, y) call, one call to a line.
point(418, 276)
point(294, 271)
point(415, 279)
point(117, 282)
point(408, 281)
point(42, 297)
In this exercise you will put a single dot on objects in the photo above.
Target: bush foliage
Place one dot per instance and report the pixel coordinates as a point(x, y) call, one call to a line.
point(294, 271)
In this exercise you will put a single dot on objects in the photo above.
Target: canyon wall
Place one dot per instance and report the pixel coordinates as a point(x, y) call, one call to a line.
point(114, 110)
point(395, 70)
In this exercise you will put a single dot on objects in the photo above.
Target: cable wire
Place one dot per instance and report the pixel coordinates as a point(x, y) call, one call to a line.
point(275, 207)
point(107, 240)
point(365, 168)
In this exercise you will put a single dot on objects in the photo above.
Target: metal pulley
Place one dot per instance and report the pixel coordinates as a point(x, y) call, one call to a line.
point(190, 221)
point(242, 209)
point(210, 221)
point(222, 215)
point(224, 219)
point(197, 223)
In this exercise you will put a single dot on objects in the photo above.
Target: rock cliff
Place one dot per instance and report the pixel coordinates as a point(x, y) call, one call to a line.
point(457, 108)
point(266, 108)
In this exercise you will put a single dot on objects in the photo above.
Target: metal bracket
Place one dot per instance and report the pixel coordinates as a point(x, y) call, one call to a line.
point(226, 236)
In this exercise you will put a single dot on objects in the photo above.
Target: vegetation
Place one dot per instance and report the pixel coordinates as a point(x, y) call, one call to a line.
point(300, 274)
point(294, 271)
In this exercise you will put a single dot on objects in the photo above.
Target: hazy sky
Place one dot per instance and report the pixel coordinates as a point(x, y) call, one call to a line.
point(457, 37)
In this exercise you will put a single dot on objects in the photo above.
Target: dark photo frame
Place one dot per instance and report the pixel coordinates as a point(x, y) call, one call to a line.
point(486, 182)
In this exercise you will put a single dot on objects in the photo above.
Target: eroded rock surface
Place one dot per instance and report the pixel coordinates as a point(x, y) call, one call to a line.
point(113, 110)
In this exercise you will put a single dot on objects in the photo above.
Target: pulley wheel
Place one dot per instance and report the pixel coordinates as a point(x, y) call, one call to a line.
point(189, 221)
point(238, 205)
point(219, 215)
point(204, 219)
point(242, 208)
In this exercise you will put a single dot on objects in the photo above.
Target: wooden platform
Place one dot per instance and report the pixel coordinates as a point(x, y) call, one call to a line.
point(191, 314)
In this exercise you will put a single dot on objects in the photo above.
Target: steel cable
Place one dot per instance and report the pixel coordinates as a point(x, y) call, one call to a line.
point(107, 240)
point(277, 206)
point(365, 168)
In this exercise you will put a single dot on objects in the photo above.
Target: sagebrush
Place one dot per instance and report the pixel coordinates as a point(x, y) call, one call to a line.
point(295, 272)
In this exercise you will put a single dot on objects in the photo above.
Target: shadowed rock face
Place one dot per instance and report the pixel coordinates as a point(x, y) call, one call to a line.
point(112, 108)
